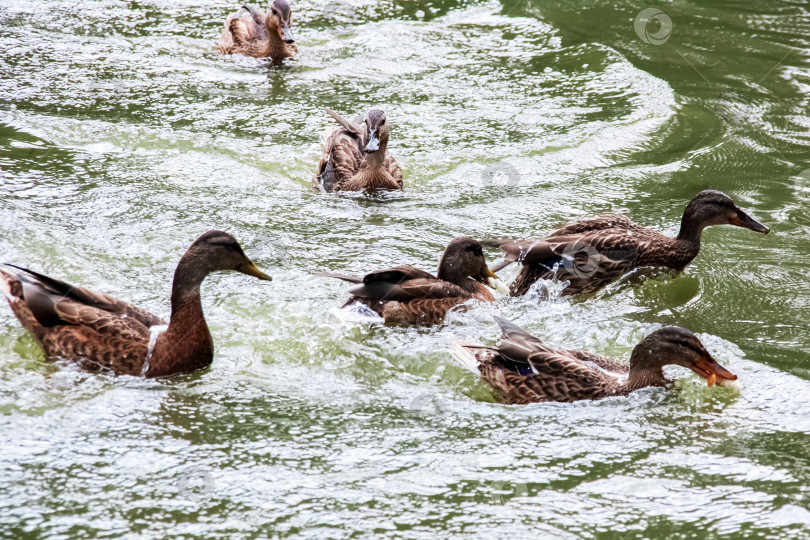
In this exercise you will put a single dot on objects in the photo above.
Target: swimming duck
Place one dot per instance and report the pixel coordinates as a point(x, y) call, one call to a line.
point(250, 32)
point(592, 252)
point(355, 156)
point(525, 370)
point(407, 295)
point(97, 330)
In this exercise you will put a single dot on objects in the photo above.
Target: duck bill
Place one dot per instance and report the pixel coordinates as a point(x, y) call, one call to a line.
point(373, 143)
point(485, 276)
point(708, 368)
point(747, 222)
point(249, 269)
point(285, 33)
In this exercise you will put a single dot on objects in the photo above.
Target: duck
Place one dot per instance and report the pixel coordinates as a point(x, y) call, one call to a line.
point(99, 332)
point(250, 32)
point(522, 369)
point(408, 296)
point(592, 252)
point(355, 156)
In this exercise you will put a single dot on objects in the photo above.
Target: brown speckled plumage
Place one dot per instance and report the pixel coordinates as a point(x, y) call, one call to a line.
point(592, 252)
point(99, 331)
point(250, 32)
point(525, 370)
point(406, 295)
point(355, 156)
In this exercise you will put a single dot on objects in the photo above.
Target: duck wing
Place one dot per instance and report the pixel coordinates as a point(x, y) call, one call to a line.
point(340, 159)
point(596, 223)
point(76, 323)
point(397, 274)
point(404, 284)
point(608, 251)
point(245, 33)
point(525, 370)
point(518, 336)
point(393, 169)
point(603, 362)
point(355, 127)
point(55, 302)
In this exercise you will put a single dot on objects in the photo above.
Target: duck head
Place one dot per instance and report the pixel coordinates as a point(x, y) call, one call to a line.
point(716, 208)
point(376, 132)
point(279, 20)
point(216, 251)
point(677, 346)
point(464, 258)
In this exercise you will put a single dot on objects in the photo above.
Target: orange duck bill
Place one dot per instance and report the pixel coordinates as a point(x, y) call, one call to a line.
point(708, 368)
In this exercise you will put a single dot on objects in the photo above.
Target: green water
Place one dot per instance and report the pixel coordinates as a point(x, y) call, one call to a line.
point(124, 135)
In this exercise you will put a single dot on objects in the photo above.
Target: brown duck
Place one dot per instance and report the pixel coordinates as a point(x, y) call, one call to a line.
point(406, 295)
point(525, 370)
point(99, 331)
point(592, 252)
point(355, 156)
point(250, 32)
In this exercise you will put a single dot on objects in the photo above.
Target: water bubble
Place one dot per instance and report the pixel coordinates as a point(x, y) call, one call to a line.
point(504, 491)
point(500, 174)
point(196, 484)
point(642, 26)
point(581, 259)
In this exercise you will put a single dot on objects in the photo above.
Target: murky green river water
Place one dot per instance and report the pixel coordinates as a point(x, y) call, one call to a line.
point(124, 135)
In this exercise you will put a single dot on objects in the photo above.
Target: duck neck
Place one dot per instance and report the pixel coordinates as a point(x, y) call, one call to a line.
point(678, 252)
point(691, 229)
point(276, 47)
point(372, 174)
point(645, 370)
point(449, 272)
point(642, 377)
point(468, 284)
point(377, 159)
point(186, 345)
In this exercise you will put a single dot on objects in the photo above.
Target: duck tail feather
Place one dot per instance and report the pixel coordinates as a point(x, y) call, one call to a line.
point(508, 327)
point(494, 242)
point(501, 265)
point(344, 277)
point(463, 354)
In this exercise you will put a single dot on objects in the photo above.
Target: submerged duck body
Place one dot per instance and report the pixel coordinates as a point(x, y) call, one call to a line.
point(99, 331)
point(355, 156)
point(407, 295)
point(593, 252)
point(250, 32)
point(525, 370)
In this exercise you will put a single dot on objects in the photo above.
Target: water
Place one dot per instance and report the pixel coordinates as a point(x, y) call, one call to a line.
point(124, 135)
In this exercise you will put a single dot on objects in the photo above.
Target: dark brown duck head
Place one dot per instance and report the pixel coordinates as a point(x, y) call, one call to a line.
point(715, 208)
point(464, 259)
point(279, 21)
point(675, 346)
point(376, 133)
point(214, 251)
